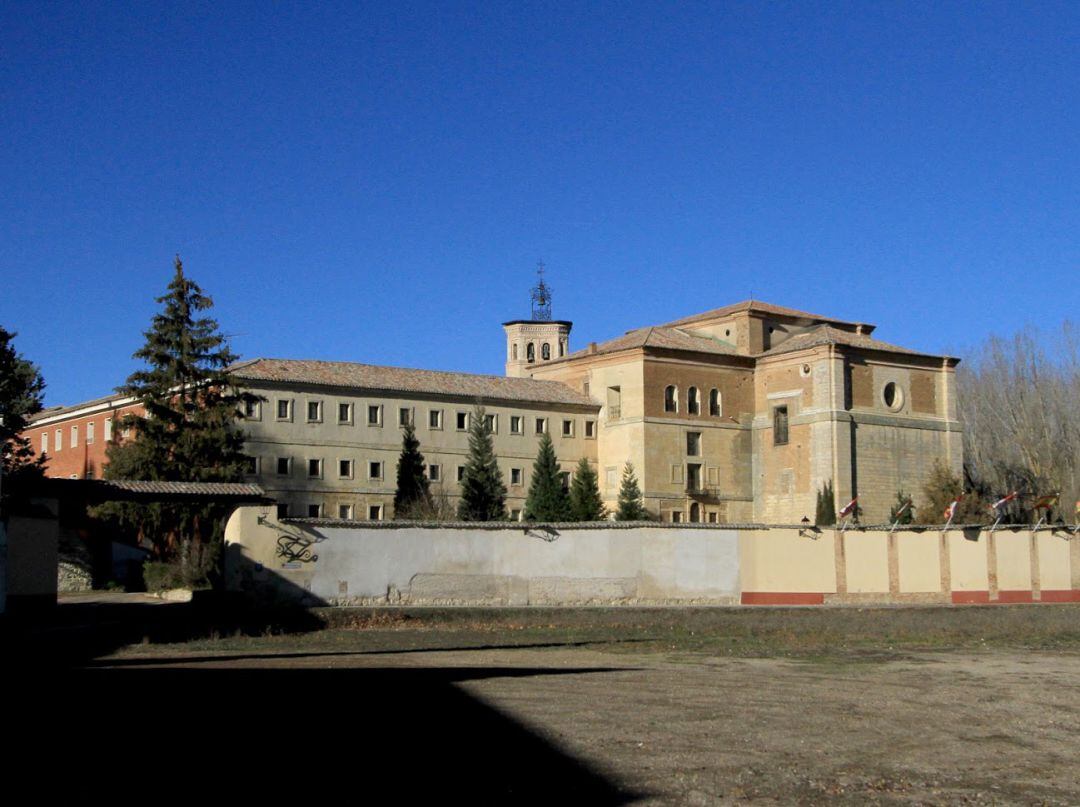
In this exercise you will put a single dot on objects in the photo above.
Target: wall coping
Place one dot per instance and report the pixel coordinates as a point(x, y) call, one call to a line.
point(655, 525)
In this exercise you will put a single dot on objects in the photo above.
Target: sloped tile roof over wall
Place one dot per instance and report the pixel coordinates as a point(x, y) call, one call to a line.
point(349, 375)
point(827, 335)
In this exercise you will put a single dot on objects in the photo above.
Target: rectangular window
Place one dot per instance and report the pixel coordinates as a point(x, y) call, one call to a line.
point(780, 426)
point(541, 425)
point(74, 436)
point(283, 511)
point(693, 444)
point(284, 466)
point(590, 429)
point(314, 511)
point(374, 512)
point(676, 517)
point(462, 421)
point(568, 428)
point(374, 415)
point(252, 464)
point(90, 433)
point(59, 442)
point(284, 409)
point(404, 416)
point(434, 473)
point(693, 476)
point(314, 411)
point(108, 429)
point(44, 442)
point(374, 470)
point(435, 419)
point(345, 469)
point(251, 410)
point(712, 517)
point(516, 476)
point(460, 473)
point(344, 512)
point(344, 413)
point(515, 515)
point(517, 424)
point(491, 423)
point(314, 468)
point(611, 477)
point(564, 477)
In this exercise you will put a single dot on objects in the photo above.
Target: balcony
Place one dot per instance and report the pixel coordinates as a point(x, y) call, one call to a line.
point(614, 412)
point(696, 490)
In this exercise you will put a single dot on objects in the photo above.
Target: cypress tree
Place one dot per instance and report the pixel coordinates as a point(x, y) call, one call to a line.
point(189, 433)
point(585, 501)
point(483, 494)
point(547, 499)
point(412, 484)
point(825, 512)
point(631, 502)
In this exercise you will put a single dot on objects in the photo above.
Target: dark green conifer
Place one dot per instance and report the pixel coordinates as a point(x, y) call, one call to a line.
point(631, 502)
point(547, 499)
point(585, 501)
point(413, 495)
point(483, 494)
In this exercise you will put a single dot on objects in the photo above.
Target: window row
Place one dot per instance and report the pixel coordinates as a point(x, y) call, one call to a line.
point(376, 470)
point(73, 436)
point(530, 351)
point(348, 512)
point(406, 415)
point(693, 401)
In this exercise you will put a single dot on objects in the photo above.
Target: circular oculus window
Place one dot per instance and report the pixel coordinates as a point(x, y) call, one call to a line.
point(893, 396)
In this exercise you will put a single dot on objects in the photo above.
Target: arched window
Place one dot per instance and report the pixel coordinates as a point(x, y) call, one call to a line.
point(714, 403)
point(513, 352)
point(693, 406)
point(530, 353)
point(562, 348)
point(695, 512)
point(545, 352)
point(671, 399)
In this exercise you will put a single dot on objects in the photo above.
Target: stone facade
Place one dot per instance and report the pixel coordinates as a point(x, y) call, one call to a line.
point(740, 414)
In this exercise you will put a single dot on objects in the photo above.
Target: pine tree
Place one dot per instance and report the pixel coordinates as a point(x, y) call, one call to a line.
point(825, 512)
point(941, 489)
point(189, 433)
point(585, 501)
point(483, 494)
point(631, 503)
point(547, 499)
point(905, 503)
point(413, 494)
point(21, 388)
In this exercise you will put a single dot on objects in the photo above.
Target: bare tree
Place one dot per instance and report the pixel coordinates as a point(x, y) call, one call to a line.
point(1020, 407)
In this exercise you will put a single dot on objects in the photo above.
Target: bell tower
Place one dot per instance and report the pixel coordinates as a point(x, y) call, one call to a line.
point(532, 343)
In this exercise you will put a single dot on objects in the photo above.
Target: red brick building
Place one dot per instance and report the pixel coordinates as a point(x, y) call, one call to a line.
point(73, 439)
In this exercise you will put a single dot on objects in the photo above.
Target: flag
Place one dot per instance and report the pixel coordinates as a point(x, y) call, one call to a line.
point(903, 509)
point(950, 511)
point(1004, 501)
point(847, 509)
point(1046, 502)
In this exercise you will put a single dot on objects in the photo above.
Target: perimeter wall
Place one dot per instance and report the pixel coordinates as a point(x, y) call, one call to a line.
point(352, 563)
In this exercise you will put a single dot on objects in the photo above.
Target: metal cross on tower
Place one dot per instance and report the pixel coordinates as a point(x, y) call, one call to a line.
point(541, 297)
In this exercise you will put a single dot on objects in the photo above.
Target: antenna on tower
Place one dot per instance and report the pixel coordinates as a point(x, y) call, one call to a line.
point(541, 297)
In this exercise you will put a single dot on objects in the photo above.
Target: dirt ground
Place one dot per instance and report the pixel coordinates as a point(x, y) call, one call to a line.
point(845, 707)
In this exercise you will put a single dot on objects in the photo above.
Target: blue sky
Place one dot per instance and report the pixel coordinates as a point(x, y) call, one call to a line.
point(376, 182)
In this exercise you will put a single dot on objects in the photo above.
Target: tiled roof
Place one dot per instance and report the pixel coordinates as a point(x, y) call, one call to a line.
point(183, 488)
point(827, 335)
point(659, 337)
point(53, 411)
point(349, 375)
point(756, 305)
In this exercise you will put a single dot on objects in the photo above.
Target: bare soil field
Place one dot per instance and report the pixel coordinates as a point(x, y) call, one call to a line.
point(615, 706)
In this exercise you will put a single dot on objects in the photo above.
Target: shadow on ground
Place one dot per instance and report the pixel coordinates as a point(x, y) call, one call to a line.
point(308, 725)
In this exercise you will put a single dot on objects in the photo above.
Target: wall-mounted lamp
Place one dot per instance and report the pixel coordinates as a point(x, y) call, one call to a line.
point(808, 531)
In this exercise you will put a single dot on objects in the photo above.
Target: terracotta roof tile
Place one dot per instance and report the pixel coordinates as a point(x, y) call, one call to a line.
point(349, 375)
point(756, 305)
point(827, 335)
